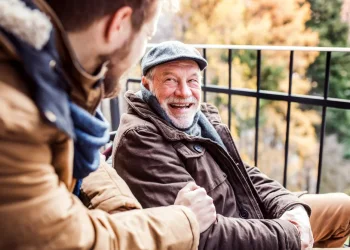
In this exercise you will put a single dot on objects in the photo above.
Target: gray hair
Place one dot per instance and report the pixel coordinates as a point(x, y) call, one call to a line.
point(150, 74)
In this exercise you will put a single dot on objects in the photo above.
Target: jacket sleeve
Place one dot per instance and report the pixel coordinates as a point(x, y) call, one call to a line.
point(155, 174)
point(105, 190)
point(38, 212)
point(252, 234)
point(276, 199)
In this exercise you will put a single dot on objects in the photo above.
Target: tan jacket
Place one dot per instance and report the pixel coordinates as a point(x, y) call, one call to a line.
point(37, 208)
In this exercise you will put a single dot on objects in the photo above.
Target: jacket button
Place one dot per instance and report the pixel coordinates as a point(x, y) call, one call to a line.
point(198, 148)
point(243, 213)
point(52, 64)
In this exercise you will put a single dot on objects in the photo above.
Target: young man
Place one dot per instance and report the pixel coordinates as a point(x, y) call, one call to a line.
point(168, 138)
point(51, 83)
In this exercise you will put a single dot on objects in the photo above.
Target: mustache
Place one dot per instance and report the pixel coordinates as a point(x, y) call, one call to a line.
point(190, 99)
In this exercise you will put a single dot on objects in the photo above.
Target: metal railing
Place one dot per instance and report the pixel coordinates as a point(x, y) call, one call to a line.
point(324, 102)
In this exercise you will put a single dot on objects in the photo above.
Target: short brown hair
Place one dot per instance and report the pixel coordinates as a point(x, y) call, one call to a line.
point(76, 15)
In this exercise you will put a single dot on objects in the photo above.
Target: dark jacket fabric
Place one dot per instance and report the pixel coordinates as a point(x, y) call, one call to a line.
point(158, 160)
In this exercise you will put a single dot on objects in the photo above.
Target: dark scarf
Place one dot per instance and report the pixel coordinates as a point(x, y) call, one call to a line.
point(200, 127)
point(49, 90)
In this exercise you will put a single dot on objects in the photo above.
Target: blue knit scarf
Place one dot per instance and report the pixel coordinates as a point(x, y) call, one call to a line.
point(91, 133)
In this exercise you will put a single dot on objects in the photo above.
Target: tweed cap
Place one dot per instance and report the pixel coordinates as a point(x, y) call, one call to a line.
point(171, 51)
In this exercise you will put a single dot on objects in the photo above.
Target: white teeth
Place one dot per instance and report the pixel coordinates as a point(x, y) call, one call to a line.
point(180, 105)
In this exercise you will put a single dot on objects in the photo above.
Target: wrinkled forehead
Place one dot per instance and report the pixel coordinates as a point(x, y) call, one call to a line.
point(188, 65)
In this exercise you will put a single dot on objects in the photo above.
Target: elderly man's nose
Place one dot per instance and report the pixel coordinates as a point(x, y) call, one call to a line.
point(183, 90)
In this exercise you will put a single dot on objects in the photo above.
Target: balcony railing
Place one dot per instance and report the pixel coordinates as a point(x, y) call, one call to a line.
point(324, 102)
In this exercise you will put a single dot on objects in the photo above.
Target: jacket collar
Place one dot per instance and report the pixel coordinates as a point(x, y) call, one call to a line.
point(137, 105)
point(86, 89)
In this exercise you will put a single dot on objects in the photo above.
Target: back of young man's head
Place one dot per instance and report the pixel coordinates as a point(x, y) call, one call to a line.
point(114, 31)
point(108, 30)
point(77, 15)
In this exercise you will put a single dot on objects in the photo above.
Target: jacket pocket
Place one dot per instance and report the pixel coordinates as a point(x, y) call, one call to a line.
point(190, 150)
point(200, 165)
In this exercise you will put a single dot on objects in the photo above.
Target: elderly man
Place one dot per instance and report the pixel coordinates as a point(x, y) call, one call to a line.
point(168, 138)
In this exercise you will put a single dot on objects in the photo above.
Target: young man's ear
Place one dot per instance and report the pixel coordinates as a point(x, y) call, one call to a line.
point(145, 82)
point(119, 27)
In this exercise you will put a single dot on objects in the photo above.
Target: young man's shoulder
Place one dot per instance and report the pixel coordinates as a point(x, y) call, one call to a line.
point(19, 116)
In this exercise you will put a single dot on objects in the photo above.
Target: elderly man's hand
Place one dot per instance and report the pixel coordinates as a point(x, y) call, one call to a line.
point(196, 198)
point(298, 216)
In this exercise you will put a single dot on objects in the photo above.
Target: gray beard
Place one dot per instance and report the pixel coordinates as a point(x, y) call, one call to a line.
point(153, 103)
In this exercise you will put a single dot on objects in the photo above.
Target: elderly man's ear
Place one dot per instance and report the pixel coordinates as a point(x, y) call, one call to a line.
point(145, 82)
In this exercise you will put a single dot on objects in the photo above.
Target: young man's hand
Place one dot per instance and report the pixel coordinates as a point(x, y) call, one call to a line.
point(196, 198)
point(298, 216)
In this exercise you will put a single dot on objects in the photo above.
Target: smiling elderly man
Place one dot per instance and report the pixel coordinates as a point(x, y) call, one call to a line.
point(168, 138)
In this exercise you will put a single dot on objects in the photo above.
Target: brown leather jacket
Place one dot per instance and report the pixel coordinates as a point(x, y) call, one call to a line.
point(37, 208)
point(158, 160)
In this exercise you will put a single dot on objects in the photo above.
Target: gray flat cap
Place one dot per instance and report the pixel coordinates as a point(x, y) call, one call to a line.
point(171, 51)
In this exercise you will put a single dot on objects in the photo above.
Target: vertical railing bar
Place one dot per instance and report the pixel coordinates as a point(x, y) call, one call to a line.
point(115, 113)
point(286, 146)
point(205, 76)
point(229, 86)
point(323, 125)
point(257, 111)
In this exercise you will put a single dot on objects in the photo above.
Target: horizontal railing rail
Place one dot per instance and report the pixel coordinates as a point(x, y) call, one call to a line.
point(266, 47)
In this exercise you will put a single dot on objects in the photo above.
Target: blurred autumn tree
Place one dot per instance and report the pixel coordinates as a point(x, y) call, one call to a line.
point(272, 22)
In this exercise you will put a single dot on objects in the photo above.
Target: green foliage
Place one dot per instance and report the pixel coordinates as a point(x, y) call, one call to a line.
point(333, 32)
point(270, 75)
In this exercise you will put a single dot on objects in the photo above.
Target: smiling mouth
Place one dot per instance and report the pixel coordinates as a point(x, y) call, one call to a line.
point(181, 105)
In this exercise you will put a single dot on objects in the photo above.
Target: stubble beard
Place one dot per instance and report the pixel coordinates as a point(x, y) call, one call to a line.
point(117, 74)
